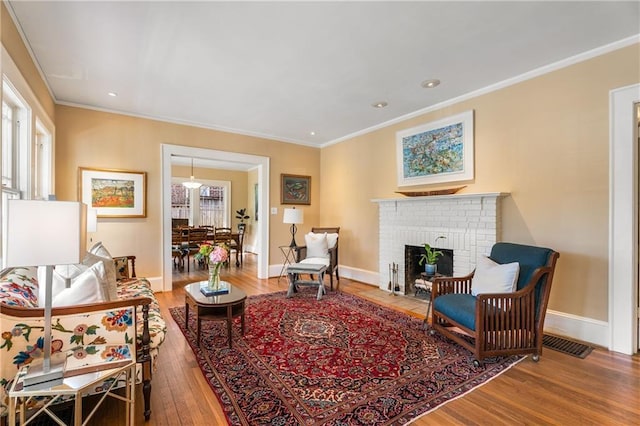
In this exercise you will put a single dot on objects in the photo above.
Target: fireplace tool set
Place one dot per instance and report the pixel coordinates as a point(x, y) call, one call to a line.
point(393, 278)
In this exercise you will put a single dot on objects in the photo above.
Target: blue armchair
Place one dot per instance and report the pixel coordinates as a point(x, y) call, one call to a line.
point(499, 324)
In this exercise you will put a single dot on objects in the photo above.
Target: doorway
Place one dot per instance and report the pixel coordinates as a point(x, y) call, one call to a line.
point(624, 220)
point(261, 164)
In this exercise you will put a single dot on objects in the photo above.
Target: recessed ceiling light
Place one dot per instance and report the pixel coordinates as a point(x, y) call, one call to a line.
point(430, 84)
point(380, 104)
point(113, 94)
point(312, 133)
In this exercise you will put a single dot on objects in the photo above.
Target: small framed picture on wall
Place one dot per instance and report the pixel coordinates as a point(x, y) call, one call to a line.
point(295, 189)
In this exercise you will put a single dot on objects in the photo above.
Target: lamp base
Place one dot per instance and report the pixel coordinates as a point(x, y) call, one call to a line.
point(37, 377)
point(293, 236)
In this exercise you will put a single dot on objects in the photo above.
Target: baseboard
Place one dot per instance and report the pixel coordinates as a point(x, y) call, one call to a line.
point(361, 275)
point(156, 283)
point(580, 328)
point(274, 270)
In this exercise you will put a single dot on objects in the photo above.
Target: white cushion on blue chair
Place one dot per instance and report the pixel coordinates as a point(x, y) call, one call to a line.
point(492, 277)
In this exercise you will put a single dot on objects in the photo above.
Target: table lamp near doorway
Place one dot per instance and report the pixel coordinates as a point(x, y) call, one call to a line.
point(294, 217)
point(45, 233)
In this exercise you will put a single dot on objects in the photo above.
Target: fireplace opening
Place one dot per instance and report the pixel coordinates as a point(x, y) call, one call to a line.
point(412, 267)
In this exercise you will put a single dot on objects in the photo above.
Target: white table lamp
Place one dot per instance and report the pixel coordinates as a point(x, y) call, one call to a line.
point(45, 233)
point(293, 217)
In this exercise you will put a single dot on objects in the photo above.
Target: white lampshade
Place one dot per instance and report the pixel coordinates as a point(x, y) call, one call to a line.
point(191, 184)
point(92, 220)
point(293, 216)
point(45, 232)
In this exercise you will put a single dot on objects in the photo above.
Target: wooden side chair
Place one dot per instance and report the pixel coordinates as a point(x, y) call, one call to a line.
point(195, 237)
point(178, 250)
point(498, 323)
point(237, 246)
point(330, 258)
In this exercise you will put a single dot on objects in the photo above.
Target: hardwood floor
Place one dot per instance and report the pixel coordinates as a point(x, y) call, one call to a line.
point(602, 389)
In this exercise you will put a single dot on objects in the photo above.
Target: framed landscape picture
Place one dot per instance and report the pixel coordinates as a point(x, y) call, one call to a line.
point(437, 152)
point(295, 189)
point(113, 193)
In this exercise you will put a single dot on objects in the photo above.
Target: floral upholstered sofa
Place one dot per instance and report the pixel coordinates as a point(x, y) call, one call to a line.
point(132, 309)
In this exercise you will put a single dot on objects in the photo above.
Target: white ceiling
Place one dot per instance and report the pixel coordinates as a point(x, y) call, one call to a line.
point(284, 69)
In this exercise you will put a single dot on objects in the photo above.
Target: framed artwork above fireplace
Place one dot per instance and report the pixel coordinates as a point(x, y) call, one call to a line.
point(436, 152)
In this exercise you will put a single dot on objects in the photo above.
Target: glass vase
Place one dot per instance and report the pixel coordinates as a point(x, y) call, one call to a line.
point(214, 276)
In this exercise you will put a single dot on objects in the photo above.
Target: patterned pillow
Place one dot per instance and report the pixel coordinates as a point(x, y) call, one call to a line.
point(122, 268)
point(19, 287)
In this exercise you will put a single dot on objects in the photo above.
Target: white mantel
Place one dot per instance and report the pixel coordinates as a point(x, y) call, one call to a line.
point(471, 223)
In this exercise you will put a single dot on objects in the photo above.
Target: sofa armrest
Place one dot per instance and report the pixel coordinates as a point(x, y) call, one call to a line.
point(21, 312)
point(108, 323)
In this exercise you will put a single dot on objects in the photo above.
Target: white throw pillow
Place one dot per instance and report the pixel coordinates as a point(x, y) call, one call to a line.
point(316, 245)
point(87, 287)
point(99, 252)
point(492, 277)
point(332, 240)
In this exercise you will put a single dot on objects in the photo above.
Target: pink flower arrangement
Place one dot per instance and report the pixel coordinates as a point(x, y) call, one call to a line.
point(219, 254)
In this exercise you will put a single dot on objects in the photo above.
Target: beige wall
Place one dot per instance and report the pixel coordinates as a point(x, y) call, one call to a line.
point(87, 138)
point(545, 141)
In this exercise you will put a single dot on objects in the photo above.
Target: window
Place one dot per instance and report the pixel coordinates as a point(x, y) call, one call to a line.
point(213, 206)
point(27, 152)
point(15, 151)
point(8, 146)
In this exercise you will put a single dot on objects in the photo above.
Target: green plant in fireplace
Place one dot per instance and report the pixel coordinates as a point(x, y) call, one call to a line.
point(430, 256)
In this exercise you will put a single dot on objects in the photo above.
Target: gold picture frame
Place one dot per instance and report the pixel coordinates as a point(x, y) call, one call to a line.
point(113, 192)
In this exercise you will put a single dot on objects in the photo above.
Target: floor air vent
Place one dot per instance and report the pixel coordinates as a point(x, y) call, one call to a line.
point(565, 346)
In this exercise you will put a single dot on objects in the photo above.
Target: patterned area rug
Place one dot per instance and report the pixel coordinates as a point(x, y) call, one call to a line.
point(338, 361)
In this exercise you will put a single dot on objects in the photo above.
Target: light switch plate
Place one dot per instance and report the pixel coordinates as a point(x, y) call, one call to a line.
point(274, 210)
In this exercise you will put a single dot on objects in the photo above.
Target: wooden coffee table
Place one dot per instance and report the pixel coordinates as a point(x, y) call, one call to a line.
point(222, 307)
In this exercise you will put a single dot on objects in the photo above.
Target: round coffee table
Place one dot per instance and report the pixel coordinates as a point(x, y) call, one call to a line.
point(221, 307)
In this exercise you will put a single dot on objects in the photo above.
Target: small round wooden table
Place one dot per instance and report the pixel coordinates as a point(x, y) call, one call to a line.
point(221, 307)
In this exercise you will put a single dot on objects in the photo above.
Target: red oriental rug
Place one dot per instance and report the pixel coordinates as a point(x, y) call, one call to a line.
point(338, 361)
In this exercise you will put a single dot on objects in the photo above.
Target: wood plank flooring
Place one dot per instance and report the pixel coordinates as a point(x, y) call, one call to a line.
point(602, 389)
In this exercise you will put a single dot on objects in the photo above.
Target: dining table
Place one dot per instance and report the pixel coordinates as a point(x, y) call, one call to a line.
point(212, 237)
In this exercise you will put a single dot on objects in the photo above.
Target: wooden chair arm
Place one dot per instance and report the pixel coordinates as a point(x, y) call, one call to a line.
point(333, 255)
point(446, 285)
point(301, 253)
point(22, 312)
point(508, 311)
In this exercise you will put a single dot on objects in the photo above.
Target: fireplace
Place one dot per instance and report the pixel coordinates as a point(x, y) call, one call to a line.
point(413, 268)
point(470, 224)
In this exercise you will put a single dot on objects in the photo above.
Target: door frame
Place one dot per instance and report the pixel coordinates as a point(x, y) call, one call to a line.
point(261, 164)
point(623, 220)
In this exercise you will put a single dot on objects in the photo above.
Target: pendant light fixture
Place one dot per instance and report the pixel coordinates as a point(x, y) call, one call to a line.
point(192, 184)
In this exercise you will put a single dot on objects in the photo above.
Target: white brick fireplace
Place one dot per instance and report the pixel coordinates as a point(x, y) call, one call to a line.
point(471, 223)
